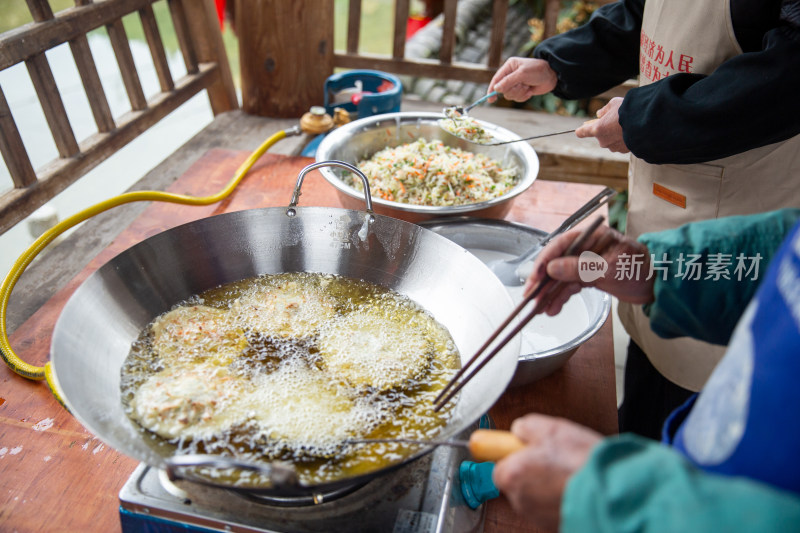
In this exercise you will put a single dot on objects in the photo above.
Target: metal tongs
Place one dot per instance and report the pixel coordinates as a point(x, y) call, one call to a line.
point(509, 271)
point(547, 286)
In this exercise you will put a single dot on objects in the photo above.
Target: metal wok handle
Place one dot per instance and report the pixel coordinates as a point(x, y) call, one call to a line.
point(332, 163)
point(279, 474)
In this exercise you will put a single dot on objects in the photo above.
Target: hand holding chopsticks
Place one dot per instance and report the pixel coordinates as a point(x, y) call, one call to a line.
point(627, 274)
point(544, 291)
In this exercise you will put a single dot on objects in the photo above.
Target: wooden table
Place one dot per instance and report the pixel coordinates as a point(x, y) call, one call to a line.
point(56, 476)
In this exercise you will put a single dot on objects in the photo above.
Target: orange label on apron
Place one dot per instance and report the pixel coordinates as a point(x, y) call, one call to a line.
point(669, 195)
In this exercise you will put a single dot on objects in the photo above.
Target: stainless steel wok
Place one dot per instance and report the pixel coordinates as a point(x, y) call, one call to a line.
point(104, 316)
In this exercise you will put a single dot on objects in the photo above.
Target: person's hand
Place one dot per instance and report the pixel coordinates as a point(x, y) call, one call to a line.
point(520, 78)
point(533, 479)
point(626, 277)
point(606, 128)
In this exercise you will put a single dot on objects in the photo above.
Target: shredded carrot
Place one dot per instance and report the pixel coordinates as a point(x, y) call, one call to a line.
point(431, 173)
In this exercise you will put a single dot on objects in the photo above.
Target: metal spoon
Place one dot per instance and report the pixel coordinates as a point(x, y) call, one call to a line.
point(518, 140)
point(509, 270)
point(498, 143)
point(458, 111)
point(443, 126)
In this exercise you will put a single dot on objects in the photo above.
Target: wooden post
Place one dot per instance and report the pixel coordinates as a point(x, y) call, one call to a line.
point(201, 18)
point(551, 8)
point(286, 54)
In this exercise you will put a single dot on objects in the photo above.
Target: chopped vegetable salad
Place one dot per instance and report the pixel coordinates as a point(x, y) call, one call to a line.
point(467, 128)
point(431, 173)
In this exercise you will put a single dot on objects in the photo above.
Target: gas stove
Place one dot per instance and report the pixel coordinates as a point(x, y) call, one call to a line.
point(424, 496)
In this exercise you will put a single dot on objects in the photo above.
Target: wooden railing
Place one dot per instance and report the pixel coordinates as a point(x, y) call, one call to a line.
point(444, 67)
point(198, 35)
point(287, 52)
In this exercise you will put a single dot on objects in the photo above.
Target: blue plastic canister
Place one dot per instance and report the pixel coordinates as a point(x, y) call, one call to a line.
point(379, 92)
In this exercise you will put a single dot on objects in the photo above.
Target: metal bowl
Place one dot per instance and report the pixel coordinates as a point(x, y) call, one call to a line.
point(360, 139)
point(547, 342)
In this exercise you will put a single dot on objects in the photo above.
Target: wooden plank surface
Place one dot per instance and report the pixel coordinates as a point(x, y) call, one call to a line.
point(181, 27)
point(283, 73)
point(127, 68)
point(40, 10)
point(90, 78)
point(499, 14)
point(77, 156)
point(204, 28)
point(153, 37)
point(54, 475)
point(401, 10)
point(12, 148)
point(448, 32)
point(353, 26)
point(52, 105)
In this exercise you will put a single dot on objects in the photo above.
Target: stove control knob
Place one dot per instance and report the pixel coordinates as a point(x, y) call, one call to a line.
point(476, 483)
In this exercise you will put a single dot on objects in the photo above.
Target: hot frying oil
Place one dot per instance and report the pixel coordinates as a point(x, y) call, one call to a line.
point(290, 367)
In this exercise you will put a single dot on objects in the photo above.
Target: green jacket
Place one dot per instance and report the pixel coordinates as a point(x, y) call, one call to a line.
point(708, 309)
point(634, 484)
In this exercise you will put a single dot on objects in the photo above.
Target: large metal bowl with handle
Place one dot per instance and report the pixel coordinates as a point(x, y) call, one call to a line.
point(93, 334)
point(360, 140)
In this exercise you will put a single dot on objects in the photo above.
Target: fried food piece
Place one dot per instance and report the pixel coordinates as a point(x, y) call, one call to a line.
point(288, 309)
point(197, 332)
point(376, 349)
point(302, 412)
point(185, 401)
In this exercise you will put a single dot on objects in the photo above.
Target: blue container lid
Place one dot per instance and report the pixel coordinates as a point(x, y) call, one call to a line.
point(476, 483)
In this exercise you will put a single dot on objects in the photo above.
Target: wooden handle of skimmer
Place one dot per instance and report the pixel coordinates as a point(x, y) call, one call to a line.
point(493, 445)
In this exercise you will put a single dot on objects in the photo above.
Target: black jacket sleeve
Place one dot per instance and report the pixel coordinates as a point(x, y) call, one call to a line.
point(599, 55)
point(748, 102)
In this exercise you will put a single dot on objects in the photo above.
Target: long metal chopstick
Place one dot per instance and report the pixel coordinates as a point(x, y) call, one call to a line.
point(454, 385)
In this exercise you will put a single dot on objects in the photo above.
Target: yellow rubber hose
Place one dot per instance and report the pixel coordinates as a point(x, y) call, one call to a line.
point(39, 373)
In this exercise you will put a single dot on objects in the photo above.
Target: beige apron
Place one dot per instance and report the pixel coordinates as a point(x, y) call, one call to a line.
point(696, 36)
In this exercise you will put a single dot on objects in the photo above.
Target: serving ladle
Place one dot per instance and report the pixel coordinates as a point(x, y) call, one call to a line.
point(457, 111)
point(517, 140)
point(498, 143)
point(510, 271)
